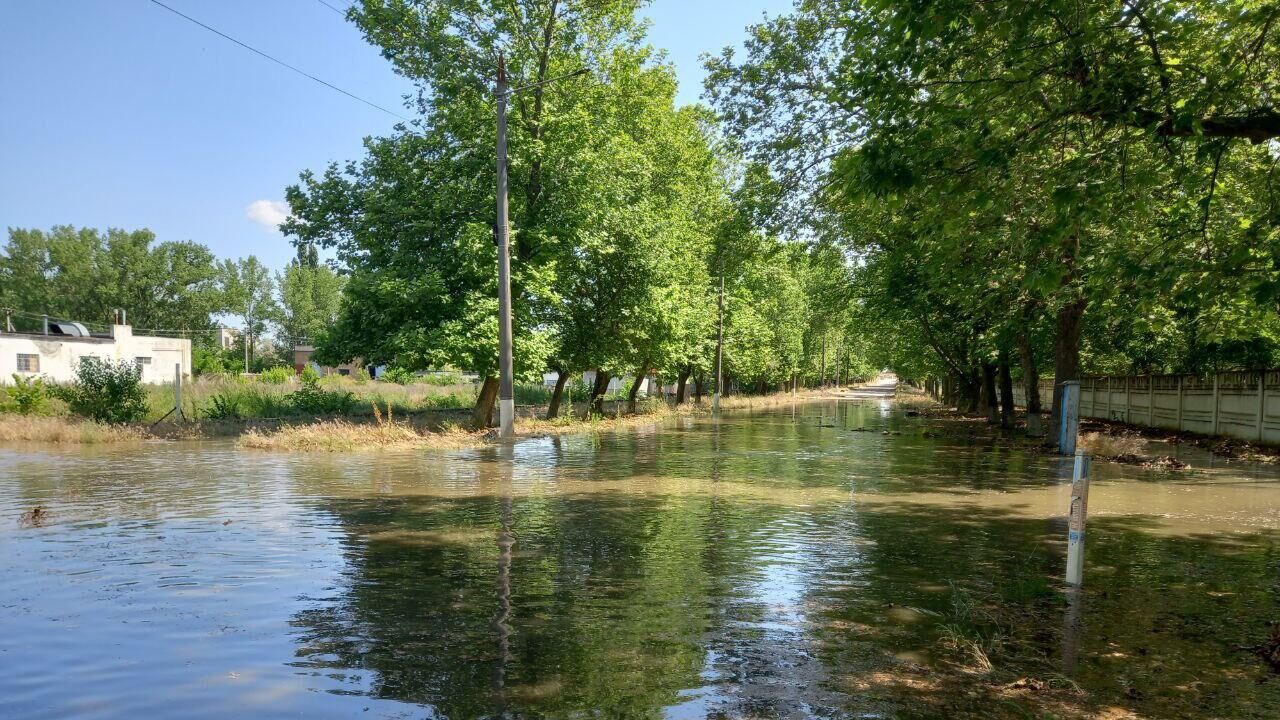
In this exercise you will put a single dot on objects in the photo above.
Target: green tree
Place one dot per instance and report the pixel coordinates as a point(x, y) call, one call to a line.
point(250, 293)
point(309, 302)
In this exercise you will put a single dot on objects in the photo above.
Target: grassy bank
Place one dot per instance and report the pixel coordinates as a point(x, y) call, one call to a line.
point(64, 430)
point(342, 414)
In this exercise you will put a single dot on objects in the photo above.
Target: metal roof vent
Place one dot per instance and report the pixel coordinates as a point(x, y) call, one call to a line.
point(70, 329)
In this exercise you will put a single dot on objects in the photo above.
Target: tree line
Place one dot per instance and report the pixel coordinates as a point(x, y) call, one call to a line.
point(627, 213)
point(1030, 188)
point(175, 288)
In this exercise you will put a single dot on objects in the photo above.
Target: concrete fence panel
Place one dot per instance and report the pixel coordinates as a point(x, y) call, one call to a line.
point(1244, 405)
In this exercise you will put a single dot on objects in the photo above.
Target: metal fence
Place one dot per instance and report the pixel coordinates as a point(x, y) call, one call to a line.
point(1243, 405)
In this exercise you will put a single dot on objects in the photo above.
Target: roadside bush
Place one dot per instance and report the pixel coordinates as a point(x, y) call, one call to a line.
point(224, 406)
point(398, 375)
point(311, 399)
point(360, 376)
point(106, 391)
point(28, 394)
point(277, 375)
point(309, 375)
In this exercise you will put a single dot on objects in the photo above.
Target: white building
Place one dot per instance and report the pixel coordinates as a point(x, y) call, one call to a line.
point(228, 337)
point(57, 355)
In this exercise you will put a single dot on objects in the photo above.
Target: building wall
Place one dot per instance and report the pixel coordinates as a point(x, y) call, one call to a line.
point(60, 356)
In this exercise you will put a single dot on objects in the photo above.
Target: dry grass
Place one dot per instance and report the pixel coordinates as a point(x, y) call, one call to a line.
point(343, 436)
point(64, 430)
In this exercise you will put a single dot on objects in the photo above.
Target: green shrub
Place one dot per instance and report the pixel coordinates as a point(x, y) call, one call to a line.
point(360, 376)
point(398, 375)
point(28, 394)
point(224, 406)
point(106, 391)
point(311, 399)
point(309, 375)
point(277, 375)
point(531, 394)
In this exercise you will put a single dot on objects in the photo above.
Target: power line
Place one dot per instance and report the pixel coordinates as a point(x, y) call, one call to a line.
point(343, 13)
point(280, 62)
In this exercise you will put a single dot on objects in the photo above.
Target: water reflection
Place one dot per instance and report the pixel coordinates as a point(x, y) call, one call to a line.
point(795, 563)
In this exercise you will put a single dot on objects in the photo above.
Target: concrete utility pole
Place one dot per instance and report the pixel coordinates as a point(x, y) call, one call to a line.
point(715, 399)
point(506, 364)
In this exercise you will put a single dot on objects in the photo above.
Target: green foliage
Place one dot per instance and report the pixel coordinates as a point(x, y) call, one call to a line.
point(277, 375)
point(398, 375)
point(224, 406)
point(28, 394)
point(1007, 172)
point(309, 301)
point(311, 399)
point(309, 375)
point(360, 376)
point(443, 379)
point(84, 274)
point(106, 391)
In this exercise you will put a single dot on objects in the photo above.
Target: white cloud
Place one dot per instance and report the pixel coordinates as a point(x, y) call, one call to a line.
point(268, 213)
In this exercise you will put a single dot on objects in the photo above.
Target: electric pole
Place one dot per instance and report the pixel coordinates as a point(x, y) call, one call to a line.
point(506, 366)
point(715, 399)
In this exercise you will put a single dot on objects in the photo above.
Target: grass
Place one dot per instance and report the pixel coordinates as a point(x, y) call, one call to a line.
point(64, 430)
point(345, 436)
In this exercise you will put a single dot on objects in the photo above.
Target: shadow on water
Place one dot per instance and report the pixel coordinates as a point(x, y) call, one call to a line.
point(707, 607)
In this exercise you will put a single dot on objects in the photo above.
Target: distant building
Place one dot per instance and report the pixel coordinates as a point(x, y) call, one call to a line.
point(58, 354)
point(302, 358)
point(228, 337)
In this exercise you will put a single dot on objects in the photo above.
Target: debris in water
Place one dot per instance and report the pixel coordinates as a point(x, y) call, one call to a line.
point(226, 522)
point(35, 517)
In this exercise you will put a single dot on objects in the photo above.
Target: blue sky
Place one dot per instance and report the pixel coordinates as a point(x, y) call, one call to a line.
point(117, 113)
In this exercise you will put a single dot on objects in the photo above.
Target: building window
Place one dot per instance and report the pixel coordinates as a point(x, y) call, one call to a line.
point(344, 371)
point(28, 363)
point(141, 362)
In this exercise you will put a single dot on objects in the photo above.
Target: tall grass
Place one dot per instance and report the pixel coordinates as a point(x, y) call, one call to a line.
point(63, 430)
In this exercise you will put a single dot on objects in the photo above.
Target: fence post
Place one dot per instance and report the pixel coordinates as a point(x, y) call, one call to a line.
point(1215, 403)
point(1180, 378)
point(177, 390)
point(1076, 519)
point(1151, 400)
point(1109, 398)
point(1262, 405)
point(1128, 404)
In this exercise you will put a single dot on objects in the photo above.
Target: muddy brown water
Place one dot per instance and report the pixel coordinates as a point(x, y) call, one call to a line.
point(793, 563)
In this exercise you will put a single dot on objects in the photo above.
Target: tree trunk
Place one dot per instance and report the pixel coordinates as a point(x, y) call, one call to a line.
point(990, 405)
point(1066, 355)
point(697, 389)
point(553, 409)
point(598, 391)
point(1030, 383)
point(635, 389)
point(483, 411)
point(681, 382)
point(1006, 392)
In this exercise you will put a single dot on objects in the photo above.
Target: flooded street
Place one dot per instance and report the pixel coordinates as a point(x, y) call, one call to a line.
point(827, 560)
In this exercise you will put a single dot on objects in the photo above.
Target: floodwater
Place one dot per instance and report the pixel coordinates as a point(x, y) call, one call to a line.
point(792, 563)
